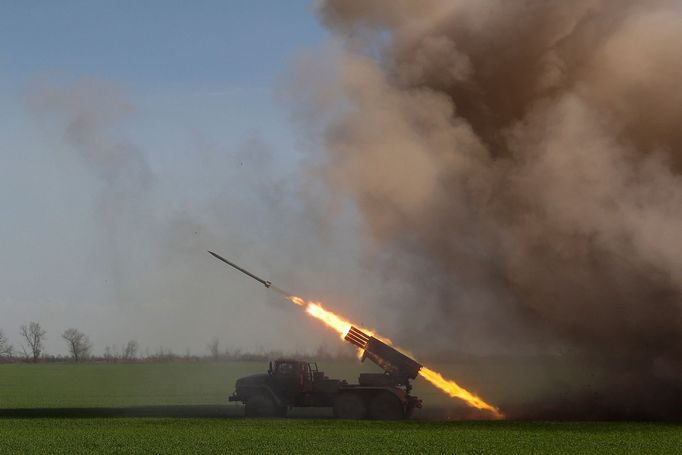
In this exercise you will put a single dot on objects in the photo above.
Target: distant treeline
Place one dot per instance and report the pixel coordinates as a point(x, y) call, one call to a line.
point(80, 349)
point(169, 356)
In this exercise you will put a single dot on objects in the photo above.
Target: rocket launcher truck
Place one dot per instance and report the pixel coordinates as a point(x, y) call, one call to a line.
point(293, 383)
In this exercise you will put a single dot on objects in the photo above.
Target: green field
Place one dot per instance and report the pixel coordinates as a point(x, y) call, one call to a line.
point(92, 408)
point(327, 436)
point(119, 384)
point(55, 385)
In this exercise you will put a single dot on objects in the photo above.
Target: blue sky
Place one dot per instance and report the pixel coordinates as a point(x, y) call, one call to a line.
point(156, 45)
point(208, 66)
point(199, 77)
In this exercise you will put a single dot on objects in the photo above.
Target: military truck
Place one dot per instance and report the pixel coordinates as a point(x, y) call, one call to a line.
point(291, 383)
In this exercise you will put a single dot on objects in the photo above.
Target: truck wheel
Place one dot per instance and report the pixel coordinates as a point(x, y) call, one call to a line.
point(260, 406)
point(350, 406)
point(386, 406)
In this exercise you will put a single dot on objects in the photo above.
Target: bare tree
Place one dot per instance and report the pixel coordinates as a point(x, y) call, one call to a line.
point(163, 353)
point(35, 338)
point(214, 348)
point(78, 344)
point(110, 353)
point(6, 349)
point(130, 350)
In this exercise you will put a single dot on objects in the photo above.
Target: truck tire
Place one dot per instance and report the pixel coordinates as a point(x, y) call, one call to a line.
point(386, 406)
point(350, 406)
point(260, 406)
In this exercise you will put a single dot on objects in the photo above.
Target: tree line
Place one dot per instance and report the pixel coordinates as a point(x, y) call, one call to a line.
point(33, 344)
point(80, 348)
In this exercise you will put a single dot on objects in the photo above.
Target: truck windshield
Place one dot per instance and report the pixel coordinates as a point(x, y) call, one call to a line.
point(285, 369)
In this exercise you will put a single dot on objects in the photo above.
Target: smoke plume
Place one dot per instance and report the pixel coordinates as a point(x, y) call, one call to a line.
point(518, 166)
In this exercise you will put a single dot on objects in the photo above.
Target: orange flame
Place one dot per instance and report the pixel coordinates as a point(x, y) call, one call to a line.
point(335, 322)
point(342, 326)
point(297, 300)
point(454, 390)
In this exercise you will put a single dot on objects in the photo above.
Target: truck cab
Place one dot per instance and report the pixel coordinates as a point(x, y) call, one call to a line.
point(288, 383)
point(292, 379)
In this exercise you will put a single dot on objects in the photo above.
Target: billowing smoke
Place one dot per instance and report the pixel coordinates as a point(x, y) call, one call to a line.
point(518, 166)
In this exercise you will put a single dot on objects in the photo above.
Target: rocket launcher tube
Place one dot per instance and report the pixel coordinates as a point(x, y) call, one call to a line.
point(386, 357)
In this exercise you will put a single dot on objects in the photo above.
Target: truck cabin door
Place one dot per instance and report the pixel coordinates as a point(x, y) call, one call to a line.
point(287, 378)
point(306, 378)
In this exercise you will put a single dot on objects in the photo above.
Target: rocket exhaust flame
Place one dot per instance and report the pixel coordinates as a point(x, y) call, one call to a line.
point(455, 391)
point(359, 336)
point(332, 320)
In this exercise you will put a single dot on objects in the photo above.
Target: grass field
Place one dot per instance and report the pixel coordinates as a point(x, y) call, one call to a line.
point(191, 390)
point(119, 384)
point(146, 436)
point(55, 385)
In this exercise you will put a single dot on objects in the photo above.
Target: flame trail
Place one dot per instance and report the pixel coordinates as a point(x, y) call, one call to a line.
point(342, 326)
point(456, 391)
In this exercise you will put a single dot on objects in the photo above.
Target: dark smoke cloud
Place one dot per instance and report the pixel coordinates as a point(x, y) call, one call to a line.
point(518, 168)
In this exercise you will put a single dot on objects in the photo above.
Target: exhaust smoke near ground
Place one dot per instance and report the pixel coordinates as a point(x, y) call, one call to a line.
point(518, 168)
